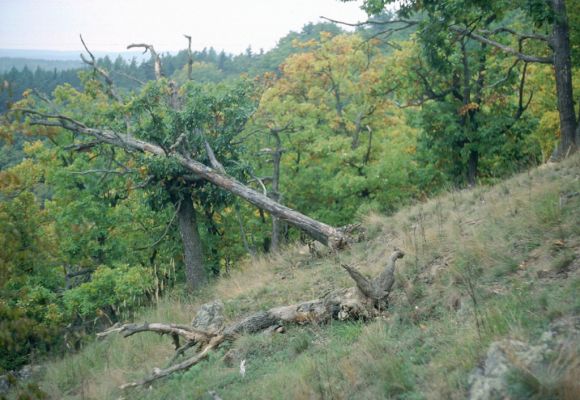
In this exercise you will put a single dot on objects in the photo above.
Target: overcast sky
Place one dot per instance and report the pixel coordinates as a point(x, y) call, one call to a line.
point(110, 25)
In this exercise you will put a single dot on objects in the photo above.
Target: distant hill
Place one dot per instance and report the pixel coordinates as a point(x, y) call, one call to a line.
point(54, 55)
point(51, 59)
point(7, 63)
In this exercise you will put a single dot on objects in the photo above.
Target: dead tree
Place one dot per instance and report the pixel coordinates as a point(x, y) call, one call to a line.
point(364, 301)
point(275, 194)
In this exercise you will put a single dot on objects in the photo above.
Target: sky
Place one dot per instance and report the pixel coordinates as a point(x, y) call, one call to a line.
point(110, 25)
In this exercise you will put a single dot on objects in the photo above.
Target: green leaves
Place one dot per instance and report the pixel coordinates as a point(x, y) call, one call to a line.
point(120, 288)
point(345, 143)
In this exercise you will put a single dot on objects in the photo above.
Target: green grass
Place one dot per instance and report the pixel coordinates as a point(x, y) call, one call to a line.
point(481, 265)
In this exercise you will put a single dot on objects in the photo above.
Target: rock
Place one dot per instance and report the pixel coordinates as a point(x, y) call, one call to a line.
point(492, 380)
point(12, 379)
point(5, 384)
point(210, 317)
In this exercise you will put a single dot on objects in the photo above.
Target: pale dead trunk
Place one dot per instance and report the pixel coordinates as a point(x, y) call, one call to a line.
point(277, 224)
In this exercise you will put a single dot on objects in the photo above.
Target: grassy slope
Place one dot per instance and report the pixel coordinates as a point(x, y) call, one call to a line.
point(513, 249)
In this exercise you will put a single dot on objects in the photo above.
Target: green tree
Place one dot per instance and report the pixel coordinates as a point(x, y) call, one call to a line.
point(334, 141)
point(492, 23)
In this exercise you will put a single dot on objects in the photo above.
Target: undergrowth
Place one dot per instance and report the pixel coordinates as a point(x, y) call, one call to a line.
point(481, 265)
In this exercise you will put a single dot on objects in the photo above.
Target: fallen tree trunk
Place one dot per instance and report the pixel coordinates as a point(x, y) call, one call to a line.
point(364, 301)
point(326, 234)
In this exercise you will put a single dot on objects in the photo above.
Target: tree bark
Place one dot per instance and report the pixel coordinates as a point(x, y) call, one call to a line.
point(563, 71)
point(472, 164)
point(192, 248)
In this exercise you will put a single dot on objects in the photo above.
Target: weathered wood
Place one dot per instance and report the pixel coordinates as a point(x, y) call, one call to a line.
point(367, 300)
point(154, 55)
point(186, 332)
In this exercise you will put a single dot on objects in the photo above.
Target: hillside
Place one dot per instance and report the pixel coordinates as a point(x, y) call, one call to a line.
point(480, 265)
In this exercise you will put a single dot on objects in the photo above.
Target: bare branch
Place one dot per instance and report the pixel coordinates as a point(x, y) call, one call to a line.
point(156, 58)
point(186, 332)
point(177, 142)
point(379, 288)
point(384, 282)
point(361, 281)
point(406, 22)
point(62, 119)
point(190, 362)
point(521, 106)
point(212, 158)
point(503, 47)
point(41, 96)
point(180, 350)
point(260, 181)
point(80, 147)
point(93, 63)
point(101, 171)
point(535, 36)
point(507, 75)
point(120, 73)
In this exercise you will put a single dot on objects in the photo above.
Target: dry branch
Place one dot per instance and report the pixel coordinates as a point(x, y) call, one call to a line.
point(184, 331)
point(518, 54)
point(190, 362)
point(154, 55)
point(93, 63)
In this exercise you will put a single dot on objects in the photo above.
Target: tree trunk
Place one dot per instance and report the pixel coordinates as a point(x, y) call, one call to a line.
point(275, 192)
point(563, 71)
point(276, 238)
point(192, 249)
point(472, 164)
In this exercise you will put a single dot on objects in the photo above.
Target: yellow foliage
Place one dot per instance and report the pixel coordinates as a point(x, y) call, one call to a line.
point(32, 147)
point(548, 133)
point(325, 36)
point(467, 108)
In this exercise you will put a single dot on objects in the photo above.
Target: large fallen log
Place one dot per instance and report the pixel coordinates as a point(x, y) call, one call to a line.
point(364, 301)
